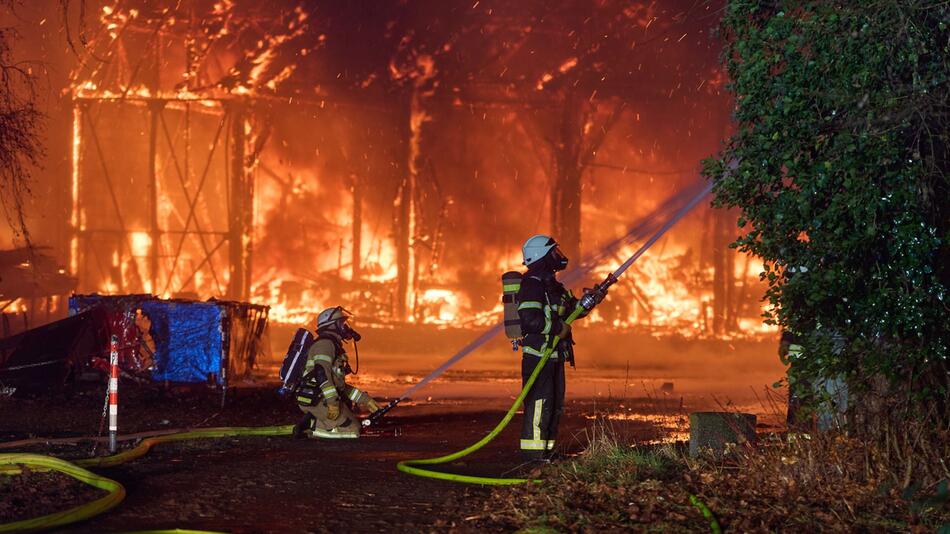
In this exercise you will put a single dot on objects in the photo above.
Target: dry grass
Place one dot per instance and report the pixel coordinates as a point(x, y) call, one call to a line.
point(802, 482)
point(610, 487)
point(789, 483)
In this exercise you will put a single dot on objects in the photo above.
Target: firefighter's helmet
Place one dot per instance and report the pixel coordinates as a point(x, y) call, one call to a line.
point(330, 316)
point(536, 247)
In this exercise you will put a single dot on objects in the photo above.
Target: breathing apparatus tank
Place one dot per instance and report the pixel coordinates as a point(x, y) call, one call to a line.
point(510, 284)
point(295, 361)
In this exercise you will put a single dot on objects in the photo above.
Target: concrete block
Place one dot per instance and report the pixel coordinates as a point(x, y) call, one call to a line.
point(712, 431)
point(832, 409)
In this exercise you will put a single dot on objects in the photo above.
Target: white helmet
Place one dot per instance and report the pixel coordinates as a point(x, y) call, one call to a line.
point(536, 247)
point(330, 315)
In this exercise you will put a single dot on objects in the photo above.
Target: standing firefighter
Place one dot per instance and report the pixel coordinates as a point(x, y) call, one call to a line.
point(324, 396)
point(543, 304)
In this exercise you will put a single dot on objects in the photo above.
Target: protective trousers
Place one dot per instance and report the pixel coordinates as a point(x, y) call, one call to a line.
point(542, 406)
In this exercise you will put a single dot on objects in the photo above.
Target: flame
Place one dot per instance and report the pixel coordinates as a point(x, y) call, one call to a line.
point(141, 244)
point(545, 78)
point(283, 310)
point(298, 277)
point(257, 71)
point(16, 306)
point(441, 305)
point(294, 270)
point(74, 216)
point(668, 298)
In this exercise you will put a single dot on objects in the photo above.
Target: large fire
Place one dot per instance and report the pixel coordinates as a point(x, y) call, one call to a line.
point(228, 103)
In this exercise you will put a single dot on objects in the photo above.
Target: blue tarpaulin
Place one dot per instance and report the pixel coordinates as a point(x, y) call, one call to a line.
point(188, 341)
point(188, 335)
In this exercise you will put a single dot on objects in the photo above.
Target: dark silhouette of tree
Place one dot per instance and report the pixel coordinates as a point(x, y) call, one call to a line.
point(21, 124)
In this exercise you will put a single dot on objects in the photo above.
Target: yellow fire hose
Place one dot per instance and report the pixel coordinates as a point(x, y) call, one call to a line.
point(409, 466)
point(10, 461)
point(78, 513)
point(223, 432)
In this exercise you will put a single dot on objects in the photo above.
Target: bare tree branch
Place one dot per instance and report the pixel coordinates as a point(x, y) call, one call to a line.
point(20, 126)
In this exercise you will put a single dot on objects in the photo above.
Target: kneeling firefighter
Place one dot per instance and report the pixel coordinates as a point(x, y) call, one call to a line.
point(543, 304)
point(327, 401)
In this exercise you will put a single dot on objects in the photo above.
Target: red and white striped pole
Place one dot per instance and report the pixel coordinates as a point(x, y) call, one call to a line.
point(113, 393)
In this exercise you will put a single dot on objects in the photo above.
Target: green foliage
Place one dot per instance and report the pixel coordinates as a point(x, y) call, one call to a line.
point(618, 463)
point(839, 165)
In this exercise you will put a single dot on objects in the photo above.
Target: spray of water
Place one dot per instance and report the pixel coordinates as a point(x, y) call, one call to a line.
point(679, 214)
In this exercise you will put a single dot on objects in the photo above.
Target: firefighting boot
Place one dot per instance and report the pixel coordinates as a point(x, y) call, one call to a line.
point(335, 433)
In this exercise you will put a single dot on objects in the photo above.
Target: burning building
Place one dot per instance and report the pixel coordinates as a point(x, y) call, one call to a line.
point(395, 156)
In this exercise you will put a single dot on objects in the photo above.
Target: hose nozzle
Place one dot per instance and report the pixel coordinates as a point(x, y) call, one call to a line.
point(594, 296)
point(375, 416)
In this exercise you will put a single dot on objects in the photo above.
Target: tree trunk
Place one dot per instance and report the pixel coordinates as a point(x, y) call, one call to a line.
point(723, 273)
point(566, 192)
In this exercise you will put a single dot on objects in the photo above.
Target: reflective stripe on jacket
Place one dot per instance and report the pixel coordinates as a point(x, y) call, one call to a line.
point(544, 303)
point(325, 371)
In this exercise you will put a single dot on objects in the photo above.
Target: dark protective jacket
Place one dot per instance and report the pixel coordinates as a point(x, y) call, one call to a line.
point(325, 372)
point(543, 304)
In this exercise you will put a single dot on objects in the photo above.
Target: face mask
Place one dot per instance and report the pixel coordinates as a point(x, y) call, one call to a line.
point(349, 333)
point(559, 260)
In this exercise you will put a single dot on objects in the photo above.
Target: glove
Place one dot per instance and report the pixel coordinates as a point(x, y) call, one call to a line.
point(565, 331)
point(372, 406)
point(333, 410)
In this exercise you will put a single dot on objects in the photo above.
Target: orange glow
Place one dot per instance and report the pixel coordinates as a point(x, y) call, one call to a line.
point(675, 426)
point(141, 244)
point(442, 306)
point(662, 298)
point(568, 65)
point(301, 240)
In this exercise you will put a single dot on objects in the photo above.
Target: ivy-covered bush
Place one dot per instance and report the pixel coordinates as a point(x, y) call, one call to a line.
point(839, 165)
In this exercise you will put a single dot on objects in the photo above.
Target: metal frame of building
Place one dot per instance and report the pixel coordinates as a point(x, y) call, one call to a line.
point(164, 264)
point(109, 85)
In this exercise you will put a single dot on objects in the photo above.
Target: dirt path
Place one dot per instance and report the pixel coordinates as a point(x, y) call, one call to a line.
point(287, 485)
point(280, 484)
